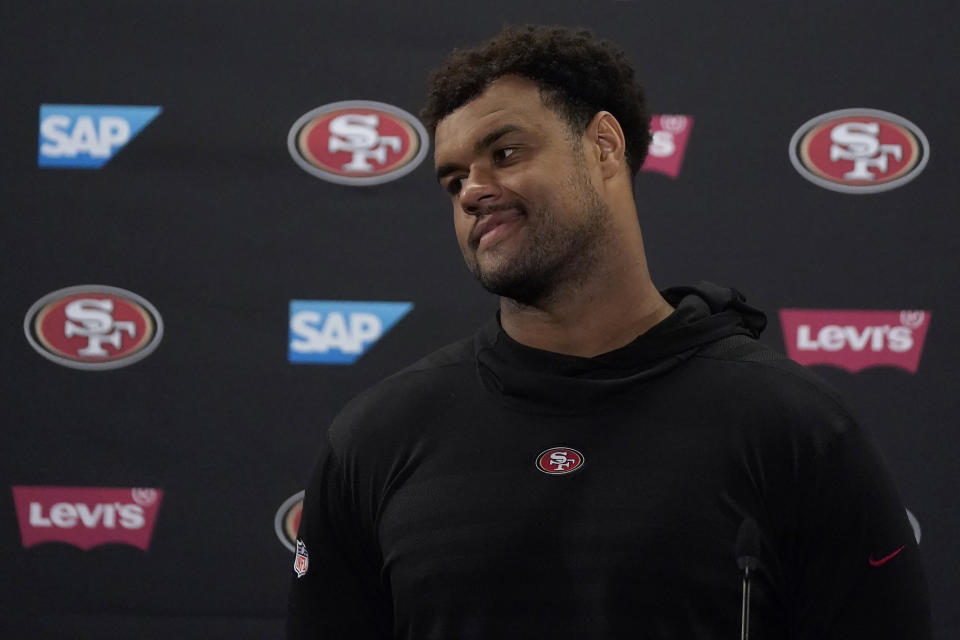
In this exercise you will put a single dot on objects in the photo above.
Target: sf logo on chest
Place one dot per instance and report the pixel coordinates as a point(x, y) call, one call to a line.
point(559, 460)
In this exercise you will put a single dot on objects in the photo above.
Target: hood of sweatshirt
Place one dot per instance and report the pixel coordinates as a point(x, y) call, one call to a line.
point(557, 383)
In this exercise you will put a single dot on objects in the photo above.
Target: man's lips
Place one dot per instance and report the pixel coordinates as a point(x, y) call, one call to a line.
point(493, 226)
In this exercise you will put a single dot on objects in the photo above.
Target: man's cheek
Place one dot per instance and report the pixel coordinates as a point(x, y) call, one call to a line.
point(462, 228)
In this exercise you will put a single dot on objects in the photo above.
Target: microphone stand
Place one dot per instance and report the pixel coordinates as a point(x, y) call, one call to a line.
point(747, 554)
point(745, 605)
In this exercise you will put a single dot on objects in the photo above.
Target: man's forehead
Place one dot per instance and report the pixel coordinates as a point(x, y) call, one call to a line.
point(508, 100)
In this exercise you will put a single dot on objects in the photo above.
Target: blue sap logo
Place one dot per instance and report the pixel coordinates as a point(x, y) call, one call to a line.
point(86, 136)
point(336, 332)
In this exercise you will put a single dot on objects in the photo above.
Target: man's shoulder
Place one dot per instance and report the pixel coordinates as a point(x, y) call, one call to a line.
point(409, 395)
point(456, 354)
point(764, 365)
point(773, 385)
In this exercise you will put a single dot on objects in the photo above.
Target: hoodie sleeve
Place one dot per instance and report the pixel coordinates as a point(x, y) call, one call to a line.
point(857, 570)
point(336, 591)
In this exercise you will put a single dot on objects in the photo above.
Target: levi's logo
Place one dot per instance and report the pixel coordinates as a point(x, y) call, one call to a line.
point(670, 135)
point(86, 517)
point(855, 340)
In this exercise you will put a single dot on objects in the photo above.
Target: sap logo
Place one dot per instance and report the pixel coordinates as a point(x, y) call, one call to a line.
point(87, 136)
point(854, 340)
point(87, 516)
point(337, 332)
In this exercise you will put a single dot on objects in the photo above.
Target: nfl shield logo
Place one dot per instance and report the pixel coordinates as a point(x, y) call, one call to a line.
point(302, 560)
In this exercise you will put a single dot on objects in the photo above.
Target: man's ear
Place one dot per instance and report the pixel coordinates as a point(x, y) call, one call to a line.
point(607, 136)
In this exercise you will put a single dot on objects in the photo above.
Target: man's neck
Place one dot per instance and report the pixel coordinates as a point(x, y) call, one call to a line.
point(589, 318)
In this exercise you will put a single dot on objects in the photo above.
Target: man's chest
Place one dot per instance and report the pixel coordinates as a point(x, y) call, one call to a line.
point(605, 511)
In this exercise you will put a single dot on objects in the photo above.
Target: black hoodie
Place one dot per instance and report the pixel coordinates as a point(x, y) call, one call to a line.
point(560, 383)
point(493, 490)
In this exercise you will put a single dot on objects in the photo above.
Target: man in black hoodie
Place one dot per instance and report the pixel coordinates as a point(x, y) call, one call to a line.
point(581, 466)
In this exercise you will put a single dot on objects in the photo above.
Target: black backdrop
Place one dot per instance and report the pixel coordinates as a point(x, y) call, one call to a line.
point(205, 215)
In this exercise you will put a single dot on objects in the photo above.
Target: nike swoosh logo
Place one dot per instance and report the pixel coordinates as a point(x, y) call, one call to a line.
point(884, 560)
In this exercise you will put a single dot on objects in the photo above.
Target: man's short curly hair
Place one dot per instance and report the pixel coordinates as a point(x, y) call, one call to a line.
point(578, 74)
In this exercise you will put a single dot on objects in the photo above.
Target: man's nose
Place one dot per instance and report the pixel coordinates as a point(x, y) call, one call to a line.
point(479, 190)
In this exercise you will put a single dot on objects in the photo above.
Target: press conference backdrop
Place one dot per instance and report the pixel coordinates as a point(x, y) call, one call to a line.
point(220, 223)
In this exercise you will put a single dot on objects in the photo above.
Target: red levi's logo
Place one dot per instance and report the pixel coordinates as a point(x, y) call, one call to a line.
point(85, 516)
point(670, 135)
point(855, 340)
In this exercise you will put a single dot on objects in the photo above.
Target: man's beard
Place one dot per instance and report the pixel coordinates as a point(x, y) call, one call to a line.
point(552, 256)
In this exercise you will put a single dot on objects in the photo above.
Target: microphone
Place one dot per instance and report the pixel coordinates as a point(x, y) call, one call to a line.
point(747, 551)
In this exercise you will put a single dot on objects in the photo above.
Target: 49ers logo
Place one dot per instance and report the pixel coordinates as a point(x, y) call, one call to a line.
point(93, 327)
point(286, 522)
point(859, 150)
point(358, 142)
point(558, 460)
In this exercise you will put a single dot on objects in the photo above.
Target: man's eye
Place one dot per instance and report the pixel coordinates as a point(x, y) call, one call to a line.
point(454, 186)
point(503, 154)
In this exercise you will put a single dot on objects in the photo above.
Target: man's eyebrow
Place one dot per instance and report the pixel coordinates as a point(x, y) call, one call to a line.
point(488, 140)
point(482, 145)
